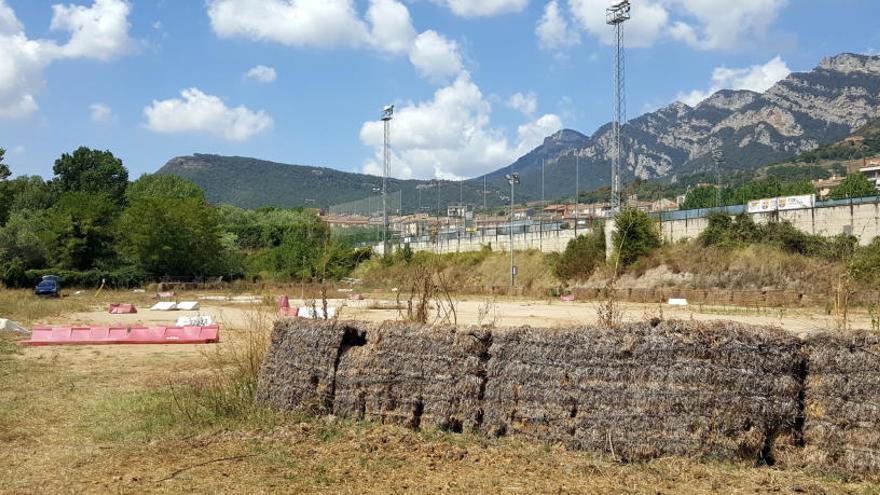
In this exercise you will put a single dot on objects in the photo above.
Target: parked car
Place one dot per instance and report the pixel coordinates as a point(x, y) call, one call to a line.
point(48, 287)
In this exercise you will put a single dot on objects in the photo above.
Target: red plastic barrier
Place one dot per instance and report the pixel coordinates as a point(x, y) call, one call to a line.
point(122, 309)
point(96, 335)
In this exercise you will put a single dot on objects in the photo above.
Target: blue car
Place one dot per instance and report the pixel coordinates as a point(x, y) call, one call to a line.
point(48, 287)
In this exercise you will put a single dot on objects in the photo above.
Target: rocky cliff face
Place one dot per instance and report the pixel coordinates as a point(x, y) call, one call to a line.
point(799, 113)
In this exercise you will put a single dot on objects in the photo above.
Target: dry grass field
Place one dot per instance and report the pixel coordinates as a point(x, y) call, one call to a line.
point(178, 419)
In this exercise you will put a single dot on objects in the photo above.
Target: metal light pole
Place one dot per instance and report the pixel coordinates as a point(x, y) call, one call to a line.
point(718, 158)
point(616, 15)
point(513, 180)
point(577, 192)
point(387, 115)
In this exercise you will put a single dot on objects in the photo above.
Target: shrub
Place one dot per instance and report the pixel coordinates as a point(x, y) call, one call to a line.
point(581, 257)
point(865, 266)
point(637, 235)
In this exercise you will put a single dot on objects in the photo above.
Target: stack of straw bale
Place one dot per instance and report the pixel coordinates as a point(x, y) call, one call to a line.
point(638, 392)
point(842, 423)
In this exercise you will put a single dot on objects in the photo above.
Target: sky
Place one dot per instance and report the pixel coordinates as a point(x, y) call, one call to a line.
point(476, 83)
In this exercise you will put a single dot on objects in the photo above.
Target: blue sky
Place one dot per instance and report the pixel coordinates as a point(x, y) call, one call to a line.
point(476, 83)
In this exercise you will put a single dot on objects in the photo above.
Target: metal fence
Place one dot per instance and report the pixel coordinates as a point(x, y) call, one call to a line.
point(371, 206)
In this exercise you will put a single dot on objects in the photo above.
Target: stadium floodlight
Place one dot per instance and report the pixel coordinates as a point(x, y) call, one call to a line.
point(616, 15)
point(513, 180)
point(387, 115)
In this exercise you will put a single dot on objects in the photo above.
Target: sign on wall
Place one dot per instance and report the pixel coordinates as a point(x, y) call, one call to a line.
point(782, 203)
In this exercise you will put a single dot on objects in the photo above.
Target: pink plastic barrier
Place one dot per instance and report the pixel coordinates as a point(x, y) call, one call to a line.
point(96, 335)
point(122, 309)
point(355, 297)
point(283, 302)
point(568, 298)
point(289, 311)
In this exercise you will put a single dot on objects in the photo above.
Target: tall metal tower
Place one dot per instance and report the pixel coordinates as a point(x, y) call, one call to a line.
point(615, 16)
point(387, 115)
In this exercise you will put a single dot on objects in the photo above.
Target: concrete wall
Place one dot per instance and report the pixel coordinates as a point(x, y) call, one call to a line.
point(548, 242)
point(862, 221)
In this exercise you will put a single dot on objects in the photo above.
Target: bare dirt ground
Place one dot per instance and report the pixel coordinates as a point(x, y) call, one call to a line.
point(99, 419)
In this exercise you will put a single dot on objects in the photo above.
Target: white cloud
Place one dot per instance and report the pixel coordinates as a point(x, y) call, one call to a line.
point(262, 73)
point(553, 29)
point(527, 104)
point(201, 113)
point(450, 136)
point(724, 25)
point(483, 8)
point(97, 32)
point(434, 56)
point(392, 30)
point(387, 27)
point(702, 24)
point(325, 23)
point(757, 78)
point(101, 113)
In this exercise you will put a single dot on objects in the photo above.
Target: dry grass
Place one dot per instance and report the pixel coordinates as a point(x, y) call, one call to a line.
point(98, 420)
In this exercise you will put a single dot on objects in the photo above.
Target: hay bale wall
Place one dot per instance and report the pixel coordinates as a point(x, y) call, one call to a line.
point(679, 388)
point(842, 396)
point(720, 391)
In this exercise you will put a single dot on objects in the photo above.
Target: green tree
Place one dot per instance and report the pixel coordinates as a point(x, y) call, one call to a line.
point(81, 226)
point(582, 256)
point(23, 246)
point(172, 237)
point(5, 173)
point(700, 197)
point(92, 172)
point(163, 186)
point(636, 235)
point(854, 186)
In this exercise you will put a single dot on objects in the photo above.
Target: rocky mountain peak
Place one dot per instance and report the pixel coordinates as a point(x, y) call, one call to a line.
point(728, 99)
point(847, 63)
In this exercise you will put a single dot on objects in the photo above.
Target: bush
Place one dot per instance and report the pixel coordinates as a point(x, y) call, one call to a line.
point(865, 266)
point(742, 231)
point(581, 257)
point(123, 278)
point(637, 235)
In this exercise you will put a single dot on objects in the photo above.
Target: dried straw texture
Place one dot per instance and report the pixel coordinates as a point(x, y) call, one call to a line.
point(300, 369)
point(414, 375)
point(720, 391)
point(842, 424)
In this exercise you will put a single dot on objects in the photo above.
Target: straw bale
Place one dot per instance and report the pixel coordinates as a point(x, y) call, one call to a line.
point(842, 402)
point(640, 392)
point(414, 375)
point(299, 371)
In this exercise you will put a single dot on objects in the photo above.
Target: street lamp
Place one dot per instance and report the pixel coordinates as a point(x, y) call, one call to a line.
point(513, 180)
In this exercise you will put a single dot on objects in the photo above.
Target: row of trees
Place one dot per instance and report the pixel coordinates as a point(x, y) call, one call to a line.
point(853, 186)
point(89, 222)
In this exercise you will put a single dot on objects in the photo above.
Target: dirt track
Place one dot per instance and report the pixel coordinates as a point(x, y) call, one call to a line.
point(502, 312)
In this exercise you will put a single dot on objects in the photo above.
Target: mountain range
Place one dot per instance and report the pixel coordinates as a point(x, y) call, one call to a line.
point(799, 113)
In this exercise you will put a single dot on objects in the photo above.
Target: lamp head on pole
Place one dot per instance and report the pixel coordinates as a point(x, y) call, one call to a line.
point(388, 112)
point(512, 178)
point(618, 13)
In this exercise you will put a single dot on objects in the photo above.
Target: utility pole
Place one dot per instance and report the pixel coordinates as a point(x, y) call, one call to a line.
point(387, 115)
point(543, 205)
point(513, 179)
point(484, 194)
point(616, 15)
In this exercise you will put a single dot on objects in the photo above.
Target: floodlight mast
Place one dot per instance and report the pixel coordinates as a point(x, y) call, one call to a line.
point(387, 115)
point(615, 16)
point(513, 180)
